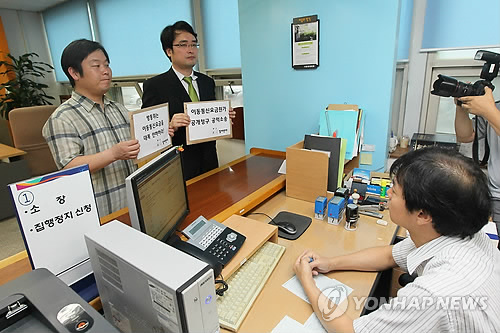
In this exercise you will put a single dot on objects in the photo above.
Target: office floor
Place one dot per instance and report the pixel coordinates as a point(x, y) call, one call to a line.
point(11, 241)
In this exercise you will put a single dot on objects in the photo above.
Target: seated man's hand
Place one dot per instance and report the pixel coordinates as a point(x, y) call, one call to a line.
point(302, 267)
point(171, 131)
point(126, 150)
point(479, 105)
point(309, 264)
point(318, 263)
point(179, 120)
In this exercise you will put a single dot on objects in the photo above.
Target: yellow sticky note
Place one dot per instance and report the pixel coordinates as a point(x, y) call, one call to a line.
point(365, 158)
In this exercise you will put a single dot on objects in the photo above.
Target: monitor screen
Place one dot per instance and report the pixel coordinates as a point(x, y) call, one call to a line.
point(157, 196)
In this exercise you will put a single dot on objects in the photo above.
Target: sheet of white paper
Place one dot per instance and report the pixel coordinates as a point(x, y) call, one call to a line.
point(55, 211)
point(151, 129)
point(331, 288)
point(288, 325)
point(313, 324)
point(490, 228)
point(208, 120)
point(322, 151)
point(282, 169)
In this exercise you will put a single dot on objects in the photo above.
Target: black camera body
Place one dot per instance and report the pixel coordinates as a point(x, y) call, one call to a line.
point(448, 86)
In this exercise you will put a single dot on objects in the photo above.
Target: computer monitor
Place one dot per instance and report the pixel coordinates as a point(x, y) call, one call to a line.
point(157, 196)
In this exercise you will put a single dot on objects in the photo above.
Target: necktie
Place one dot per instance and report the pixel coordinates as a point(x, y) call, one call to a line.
point(191, 91)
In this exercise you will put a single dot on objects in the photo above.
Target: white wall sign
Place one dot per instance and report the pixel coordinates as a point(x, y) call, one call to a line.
point(54, 212)
point(150, 127)
point(209, 121)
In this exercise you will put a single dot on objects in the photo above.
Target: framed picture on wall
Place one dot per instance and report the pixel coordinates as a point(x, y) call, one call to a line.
point(305, 42)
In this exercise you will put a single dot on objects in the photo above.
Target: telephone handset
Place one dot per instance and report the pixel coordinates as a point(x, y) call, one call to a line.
point(214, 238)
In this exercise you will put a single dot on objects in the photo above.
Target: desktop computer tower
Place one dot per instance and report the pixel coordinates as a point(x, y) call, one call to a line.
point(148, 286)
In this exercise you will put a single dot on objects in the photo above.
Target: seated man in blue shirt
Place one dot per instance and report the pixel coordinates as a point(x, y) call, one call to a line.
point(442, 199)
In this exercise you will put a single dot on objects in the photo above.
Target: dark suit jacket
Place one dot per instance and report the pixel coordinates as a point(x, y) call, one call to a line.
point(166, 88)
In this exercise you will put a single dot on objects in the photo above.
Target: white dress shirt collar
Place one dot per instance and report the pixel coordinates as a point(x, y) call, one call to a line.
point(182, 76)
point(425, 252)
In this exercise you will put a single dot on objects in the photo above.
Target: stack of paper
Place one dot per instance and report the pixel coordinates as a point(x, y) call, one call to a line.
point(346, 124)
point(312, 324)
point(290, 325)
point(336, 148)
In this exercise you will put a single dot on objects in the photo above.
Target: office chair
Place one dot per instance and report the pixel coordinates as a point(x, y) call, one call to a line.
point(406, 278)
point(26, 125)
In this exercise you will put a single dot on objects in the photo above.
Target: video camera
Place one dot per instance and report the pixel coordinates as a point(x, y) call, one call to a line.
point(448, 86)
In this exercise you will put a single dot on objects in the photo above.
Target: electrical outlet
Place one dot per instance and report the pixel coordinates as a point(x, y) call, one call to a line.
point(366, 147)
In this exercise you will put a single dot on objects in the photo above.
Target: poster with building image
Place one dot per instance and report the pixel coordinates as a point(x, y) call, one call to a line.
point(305, 42)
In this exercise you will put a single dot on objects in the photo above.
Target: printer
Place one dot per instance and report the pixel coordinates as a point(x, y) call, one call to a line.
point(39, 301)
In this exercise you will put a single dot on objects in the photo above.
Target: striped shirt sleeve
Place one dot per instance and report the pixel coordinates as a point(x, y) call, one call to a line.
point(408, 312)
point(400, 252)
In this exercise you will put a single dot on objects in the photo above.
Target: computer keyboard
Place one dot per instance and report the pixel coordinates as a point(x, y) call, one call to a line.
point(245, 285)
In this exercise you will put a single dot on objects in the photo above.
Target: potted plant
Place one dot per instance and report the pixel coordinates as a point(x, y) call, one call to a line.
point(22, 90)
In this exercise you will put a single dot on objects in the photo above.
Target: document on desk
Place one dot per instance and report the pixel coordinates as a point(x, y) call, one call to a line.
point(491, 230)
point(313, 324)
point(288, 325)
point(282, 169)
point(331, 288)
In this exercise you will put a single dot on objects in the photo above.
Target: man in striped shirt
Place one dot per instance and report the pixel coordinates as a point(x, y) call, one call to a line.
point(443, 200)
point(91, 129)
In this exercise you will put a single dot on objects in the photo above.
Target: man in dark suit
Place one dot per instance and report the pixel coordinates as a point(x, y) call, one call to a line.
point(181, 84)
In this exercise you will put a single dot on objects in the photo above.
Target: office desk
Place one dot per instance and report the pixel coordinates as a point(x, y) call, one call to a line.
point(6, 152)
point(275, 301)
point(251, 182)
point(231, 189)
point(12, 169)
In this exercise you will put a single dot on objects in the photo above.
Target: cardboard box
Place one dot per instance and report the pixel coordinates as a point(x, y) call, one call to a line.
point(343, 107)
point(306, 173)
point(381, 175)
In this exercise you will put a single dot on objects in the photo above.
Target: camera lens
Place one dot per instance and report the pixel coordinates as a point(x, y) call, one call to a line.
point(444, 86)
point(448, 86)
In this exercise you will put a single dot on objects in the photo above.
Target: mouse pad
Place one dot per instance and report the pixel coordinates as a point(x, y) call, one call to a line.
point(300, 222)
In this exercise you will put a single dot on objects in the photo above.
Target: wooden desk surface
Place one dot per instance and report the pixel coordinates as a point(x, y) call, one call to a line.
point(8, 151)
point(275, 301)
point(399, 152)
point(231, 189)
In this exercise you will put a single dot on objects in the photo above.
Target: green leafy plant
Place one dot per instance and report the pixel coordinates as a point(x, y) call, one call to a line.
point(22, 90)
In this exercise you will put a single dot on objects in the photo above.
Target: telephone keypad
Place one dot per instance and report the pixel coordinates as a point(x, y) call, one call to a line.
point(220, 249)
point(211, 235)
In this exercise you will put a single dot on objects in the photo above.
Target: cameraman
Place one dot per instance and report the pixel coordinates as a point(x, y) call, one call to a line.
point(488, 121)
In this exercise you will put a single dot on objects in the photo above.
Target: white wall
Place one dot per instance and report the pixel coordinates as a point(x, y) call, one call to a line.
point(25, 33)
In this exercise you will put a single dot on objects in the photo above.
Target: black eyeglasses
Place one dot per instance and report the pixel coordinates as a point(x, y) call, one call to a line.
point(186, 45)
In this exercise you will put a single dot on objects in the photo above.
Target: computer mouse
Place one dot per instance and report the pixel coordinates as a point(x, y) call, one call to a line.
point(287, 227)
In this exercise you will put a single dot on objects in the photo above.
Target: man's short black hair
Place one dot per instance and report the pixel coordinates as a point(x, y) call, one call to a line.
point(168, 34)
point(446, 185)
point(75, 53)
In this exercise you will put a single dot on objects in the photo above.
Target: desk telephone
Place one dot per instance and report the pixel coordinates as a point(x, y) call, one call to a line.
point(216, 240)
